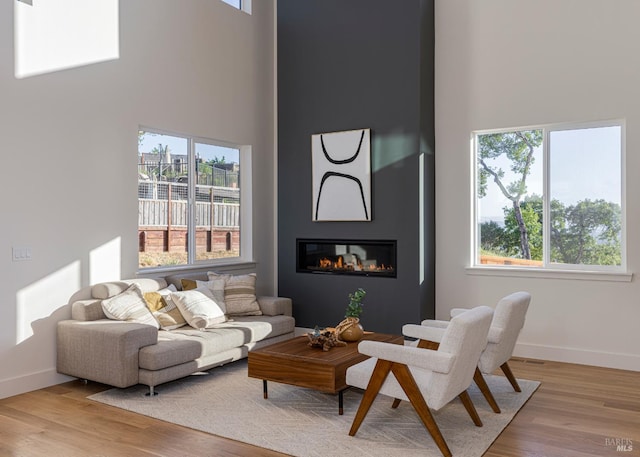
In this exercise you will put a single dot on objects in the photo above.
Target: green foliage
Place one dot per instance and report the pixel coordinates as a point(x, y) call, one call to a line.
point(492, 239)
point(160, 149)
point(587, 233)
point(533, 223)
point(354, 308)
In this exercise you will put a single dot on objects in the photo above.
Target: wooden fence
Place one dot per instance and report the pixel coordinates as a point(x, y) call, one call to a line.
point(161, 213)
point(162, 226)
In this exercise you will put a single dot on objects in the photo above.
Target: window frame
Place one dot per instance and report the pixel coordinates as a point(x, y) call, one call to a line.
point(549, 269)
point(246, 202)
point(245, 5)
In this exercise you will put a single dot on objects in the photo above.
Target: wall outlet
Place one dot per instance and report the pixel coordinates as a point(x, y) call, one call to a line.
point(21, 253)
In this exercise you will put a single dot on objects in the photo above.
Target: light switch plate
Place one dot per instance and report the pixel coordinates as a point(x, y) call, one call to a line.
point(21, 253)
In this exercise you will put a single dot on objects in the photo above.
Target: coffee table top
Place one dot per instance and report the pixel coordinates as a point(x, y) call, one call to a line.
point(298, 349)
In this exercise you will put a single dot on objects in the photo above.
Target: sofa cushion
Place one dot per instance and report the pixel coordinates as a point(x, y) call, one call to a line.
point(198, 307)
point(263, 327)
point(87, 310)
point(129, 306)
point(109, 289)
point(176, 278)
point(239, 294)
point(234, 333)
point(164, 309)
point(168, 353)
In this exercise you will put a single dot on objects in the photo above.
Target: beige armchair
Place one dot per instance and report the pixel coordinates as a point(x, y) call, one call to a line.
point(426, 378)
point(508, 320)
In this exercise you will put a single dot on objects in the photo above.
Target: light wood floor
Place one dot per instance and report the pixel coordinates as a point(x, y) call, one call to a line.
point(577, 411)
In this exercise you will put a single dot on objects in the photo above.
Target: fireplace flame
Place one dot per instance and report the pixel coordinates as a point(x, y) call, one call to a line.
point(339, 264)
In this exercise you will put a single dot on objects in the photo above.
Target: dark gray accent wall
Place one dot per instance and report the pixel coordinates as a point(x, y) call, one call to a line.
point(352, 64)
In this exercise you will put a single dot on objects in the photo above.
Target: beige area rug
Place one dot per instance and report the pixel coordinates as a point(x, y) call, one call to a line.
point(305, 423)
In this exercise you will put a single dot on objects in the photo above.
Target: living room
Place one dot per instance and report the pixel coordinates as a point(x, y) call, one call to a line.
point(204, 68)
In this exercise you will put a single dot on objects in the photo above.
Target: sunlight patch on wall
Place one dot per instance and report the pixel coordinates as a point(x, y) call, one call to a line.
point(53, 35)
point(42, 298)
point(104, 262)
point(392, 148)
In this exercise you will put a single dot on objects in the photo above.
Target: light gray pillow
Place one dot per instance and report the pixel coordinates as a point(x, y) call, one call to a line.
point(129, 306)
point(198, 307)
point(216, 286)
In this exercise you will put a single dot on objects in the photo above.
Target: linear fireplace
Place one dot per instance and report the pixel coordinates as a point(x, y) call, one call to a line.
point(347, 257)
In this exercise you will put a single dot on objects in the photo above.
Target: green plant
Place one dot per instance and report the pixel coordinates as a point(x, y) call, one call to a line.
point(354, 308)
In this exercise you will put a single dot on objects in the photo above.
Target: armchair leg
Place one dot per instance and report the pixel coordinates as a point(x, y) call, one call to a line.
point(506, 369)
point(468, 405)
point(408, 384)
point(378, 376)
point(484, 388)
point(423, 344)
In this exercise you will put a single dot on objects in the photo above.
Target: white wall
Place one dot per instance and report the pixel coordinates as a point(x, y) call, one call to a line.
point(69, 152)
point(505, 63)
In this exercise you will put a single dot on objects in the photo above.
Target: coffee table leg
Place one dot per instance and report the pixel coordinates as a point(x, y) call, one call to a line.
point(340, 403)
point(265, 393)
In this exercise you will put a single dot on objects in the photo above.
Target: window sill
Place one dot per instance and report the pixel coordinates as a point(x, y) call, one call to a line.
point(223, 266)
point(581, 275)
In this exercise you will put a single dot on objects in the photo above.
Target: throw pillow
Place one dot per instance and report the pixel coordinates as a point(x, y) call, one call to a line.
point(198, 308)
point(164, 309)
point(216, 286)
point(129, 306)
point(188, 284)
point(239, 294)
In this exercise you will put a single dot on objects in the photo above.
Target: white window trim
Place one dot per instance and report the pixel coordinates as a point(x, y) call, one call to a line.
point(245, 6)
point(246, 257)
point(548, 270)
point(549, 273)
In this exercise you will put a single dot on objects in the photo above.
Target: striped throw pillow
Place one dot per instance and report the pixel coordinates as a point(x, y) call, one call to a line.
point(129, 306)
point(239, 294)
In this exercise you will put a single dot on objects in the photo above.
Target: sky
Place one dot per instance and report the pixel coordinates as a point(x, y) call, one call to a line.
point(179, 145)
point(584, 164)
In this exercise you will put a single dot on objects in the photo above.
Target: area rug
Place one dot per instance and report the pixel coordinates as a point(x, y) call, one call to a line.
point(301, 422)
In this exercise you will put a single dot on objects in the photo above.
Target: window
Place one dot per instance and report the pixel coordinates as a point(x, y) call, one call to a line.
point(550, 197)
point(190, 201)
point(242, 5)
point(234, 3)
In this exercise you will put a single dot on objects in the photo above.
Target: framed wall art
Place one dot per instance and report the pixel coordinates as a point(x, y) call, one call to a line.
point(341, 175)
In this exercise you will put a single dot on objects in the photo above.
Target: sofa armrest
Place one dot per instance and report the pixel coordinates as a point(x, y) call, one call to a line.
point(275, 306)
point(104, 351)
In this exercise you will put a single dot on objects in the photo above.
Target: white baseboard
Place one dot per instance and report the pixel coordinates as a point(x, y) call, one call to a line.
point(580, 356)
point(31, 381)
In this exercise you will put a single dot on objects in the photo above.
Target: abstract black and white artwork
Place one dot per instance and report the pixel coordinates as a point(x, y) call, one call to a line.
point(341, 175)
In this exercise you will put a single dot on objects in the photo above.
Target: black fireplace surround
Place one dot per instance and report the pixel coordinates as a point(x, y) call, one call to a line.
point(347, 257)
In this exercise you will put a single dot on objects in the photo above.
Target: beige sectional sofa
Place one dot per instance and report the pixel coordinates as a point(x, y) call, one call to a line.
point(121, 354)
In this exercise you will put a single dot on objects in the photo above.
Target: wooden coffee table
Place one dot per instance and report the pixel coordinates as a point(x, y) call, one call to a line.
point(295, 362)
